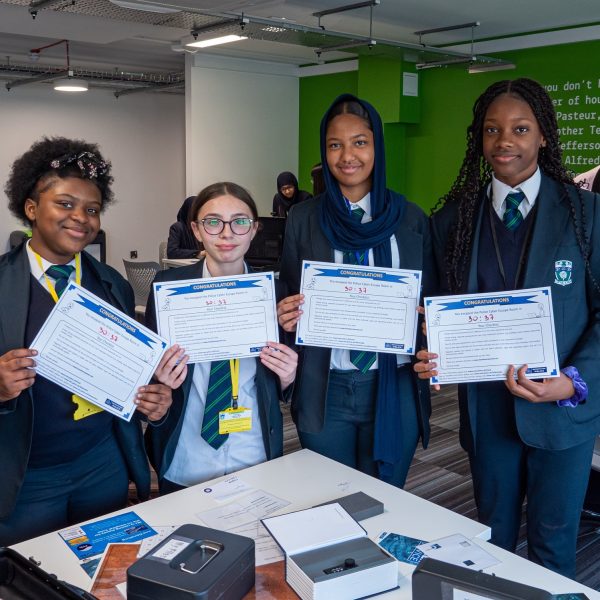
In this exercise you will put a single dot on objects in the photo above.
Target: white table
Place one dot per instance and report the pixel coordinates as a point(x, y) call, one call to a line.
point(306, 479)
point(167, 263)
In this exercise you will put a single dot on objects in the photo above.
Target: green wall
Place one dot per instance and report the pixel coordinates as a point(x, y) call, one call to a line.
point(316, 94)
point(429, 138)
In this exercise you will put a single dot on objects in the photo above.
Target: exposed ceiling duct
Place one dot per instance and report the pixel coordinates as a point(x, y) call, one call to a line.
point(193, 16)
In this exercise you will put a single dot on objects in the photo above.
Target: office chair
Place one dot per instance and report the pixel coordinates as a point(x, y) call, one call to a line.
point(140, 275)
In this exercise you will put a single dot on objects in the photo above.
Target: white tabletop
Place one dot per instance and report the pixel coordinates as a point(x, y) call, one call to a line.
point(305, 479)
point(178, 262)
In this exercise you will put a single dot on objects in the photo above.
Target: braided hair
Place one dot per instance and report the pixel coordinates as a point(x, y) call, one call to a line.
point(475, 173)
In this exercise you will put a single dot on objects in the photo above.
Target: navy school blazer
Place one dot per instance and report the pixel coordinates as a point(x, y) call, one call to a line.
point(16, 416)
point(576, 313)
point(304, 240)
point(162, 439)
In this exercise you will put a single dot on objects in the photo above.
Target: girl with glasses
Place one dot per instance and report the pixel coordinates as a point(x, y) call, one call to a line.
point(369, 414)
point(225, 219)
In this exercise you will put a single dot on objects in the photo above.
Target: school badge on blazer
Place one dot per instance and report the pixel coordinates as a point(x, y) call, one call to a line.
point(562, 272)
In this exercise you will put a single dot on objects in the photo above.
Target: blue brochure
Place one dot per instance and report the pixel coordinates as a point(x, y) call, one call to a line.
point(92, 538)
point(401, 547)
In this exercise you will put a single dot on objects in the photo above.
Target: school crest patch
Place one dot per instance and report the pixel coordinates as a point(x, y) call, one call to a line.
point(562, 272)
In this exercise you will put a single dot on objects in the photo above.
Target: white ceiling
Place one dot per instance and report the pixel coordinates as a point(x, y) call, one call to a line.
point(102, 35)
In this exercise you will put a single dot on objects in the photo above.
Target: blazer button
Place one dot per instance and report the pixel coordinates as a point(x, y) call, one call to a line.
point(271, 431)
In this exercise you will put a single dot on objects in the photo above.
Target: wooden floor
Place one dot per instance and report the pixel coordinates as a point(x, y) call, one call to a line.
point(441, 474)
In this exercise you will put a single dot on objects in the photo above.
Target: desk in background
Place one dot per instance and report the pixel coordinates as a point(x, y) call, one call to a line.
point(169, 263)
point(306, 479)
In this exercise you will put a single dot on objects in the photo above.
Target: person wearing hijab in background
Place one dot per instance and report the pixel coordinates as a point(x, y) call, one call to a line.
point(369, 417)
point(182, 241)
point(287, 194)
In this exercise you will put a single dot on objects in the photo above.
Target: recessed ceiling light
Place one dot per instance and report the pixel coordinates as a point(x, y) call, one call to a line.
point(71, 84)
point(215, 41)
point(145, 7)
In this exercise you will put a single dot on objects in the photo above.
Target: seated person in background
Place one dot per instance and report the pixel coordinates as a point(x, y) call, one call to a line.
point(590, 180)
point(182, 243)
point(287, 194)
point(187, 447)
point(62, 461)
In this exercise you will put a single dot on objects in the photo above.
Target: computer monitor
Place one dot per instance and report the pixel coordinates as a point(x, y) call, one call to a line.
point(265, 250)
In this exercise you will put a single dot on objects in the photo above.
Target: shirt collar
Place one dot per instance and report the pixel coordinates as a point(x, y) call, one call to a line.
point(206, 273)
point(34, 267)
point(530, 187)
point(364, 203)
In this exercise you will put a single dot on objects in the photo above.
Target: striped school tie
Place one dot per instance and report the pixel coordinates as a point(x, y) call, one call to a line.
point(61, 275)
point(513, 217)
point(362, 360)
point(218, 398)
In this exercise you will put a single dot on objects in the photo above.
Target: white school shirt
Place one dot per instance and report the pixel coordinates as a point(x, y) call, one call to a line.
point(195, 460)
point(38, 273)
point(340, 359)
point(530, 187)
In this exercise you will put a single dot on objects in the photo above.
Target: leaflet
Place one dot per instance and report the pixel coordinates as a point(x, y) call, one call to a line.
point(218, 318)
point(478, 336)
point(96, 351)
point(359, 308)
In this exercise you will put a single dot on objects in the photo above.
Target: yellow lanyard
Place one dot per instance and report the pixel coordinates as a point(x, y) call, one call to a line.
point(49, 284)
point(234, 368)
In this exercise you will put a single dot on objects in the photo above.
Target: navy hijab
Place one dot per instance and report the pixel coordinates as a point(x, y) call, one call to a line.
point(346, 235)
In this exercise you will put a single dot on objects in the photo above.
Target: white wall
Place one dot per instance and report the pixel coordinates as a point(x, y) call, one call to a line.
point(143, 135)
point(241, 124)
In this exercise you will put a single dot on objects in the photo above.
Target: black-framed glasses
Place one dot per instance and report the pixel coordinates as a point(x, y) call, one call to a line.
point(239, 226)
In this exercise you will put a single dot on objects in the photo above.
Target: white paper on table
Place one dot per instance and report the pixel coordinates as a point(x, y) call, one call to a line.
point(218, 318)
point(94, 350)
point(478, 336)
point(122, 589)
point(266, 549)
point(456, 549)
point(359, 308)
point(162, 532)
point(243, 517)
point(226, 489)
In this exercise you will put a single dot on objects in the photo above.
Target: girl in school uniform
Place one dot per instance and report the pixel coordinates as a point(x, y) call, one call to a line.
point(367, 412)
point(512, 220)
point(63, 460)
point(187, 449)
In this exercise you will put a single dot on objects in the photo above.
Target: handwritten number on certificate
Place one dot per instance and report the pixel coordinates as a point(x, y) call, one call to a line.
point(481, 318)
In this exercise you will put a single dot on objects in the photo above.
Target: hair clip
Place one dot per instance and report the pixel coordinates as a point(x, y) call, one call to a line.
point(89, 164)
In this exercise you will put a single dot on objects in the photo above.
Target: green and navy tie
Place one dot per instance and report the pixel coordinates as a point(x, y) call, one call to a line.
point(61, 275)
point(362, 360)
point(513, 217)
point(218, 398)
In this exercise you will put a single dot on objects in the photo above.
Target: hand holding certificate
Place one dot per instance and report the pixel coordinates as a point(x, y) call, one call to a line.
point(359, 308)
point(96, 351)
point(478, 336)
point(220, 317)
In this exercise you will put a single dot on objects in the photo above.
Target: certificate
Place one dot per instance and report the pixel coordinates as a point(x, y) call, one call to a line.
point(359, 308)
point(478, 336)
point(95, 351)
point(220, 317)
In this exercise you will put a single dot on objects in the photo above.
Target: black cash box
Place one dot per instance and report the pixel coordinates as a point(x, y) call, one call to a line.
point(194, 563)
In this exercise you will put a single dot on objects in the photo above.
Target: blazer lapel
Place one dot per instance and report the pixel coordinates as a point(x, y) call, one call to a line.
point(321, 250)
point(14, 281)
point(548, 230)
point(472, 278)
